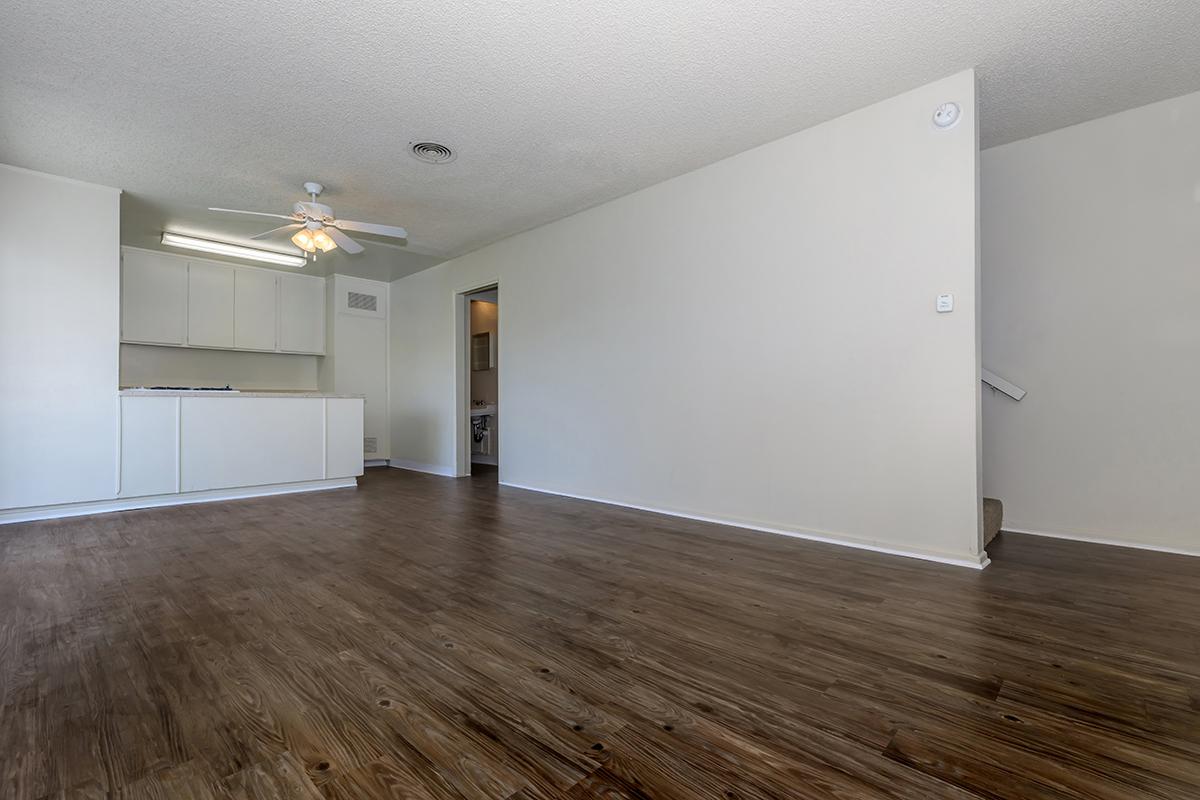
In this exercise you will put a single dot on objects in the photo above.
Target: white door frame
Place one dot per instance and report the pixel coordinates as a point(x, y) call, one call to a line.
point(462, 376)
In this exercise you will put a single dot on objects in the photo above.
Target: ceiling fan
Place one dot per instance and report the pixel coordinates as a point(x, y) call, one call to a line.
point(316, 227)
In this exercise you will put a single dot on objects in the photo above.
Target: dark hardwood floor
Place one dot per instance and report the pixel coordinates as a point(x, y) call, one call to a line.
point(422, 637)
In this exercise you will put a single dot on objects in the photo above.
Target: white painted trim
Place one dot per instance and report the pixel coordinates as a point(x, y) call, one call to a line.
point(375, 462)
point(120, 435)
point(480, 458)
point(179, 444)
point(157, 500)
point(461, 343)
point(62, 178)
point(325, 436)
point(461, 358)
point(1078, 537)
point(386, 439)
point(815, 536)
point(477, 286)
point(416, 466)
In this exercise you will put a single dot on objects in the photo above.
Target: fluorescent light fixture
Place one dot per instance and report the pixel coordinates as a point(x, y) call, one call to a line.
point(234, 250)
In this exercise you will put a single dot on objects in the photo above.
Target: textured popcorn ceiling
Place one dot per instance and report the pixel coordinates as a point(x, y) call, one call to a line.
point(553, 106)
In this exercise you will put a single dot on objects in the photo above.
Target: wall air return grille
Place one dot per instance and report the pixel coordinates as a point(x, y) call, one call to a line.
point(370, 445)
point(360, 301)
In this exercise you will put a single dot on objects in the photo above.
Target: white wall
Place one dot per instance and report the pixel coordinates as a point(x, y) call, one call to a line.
point(356, 359)
point(1091, 302)
point(148, 365)
point(59, 326)
point(759, 343)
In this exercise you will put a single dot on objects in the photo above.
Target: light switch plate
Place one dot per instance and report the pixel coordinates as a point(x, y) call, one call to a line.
point(945, 303)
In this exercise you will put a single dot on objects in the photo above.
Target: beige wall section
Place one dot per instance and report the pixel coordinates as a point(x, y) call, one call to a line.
point(147, 365)
point(483, 382)
point(59, 327)
point(1091, 297)
point(759, 343)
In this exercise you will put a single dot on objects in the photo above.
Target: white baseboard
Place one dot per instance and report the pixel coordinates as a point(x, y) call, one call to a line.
point(1077, 537)
point(478, 458)
point(416, 466)
point(156, 500)
point(375, 462)
point(816, 536)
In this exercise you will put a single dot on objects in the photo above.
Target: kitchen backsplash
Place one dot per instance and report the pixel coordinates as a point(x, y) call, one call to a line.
point(147, 365)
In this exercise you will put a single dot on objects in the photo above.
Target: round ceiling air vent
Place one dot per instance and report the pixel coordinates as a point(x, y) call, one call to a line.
point(432, 152)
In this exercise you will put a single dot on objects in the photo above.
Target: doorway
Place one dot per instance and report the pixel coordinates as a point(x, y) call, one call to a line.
point(479, 394)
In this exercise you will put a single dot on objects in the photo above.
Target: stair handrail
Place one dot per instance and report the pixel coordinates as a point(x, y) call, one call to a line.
point(996, 382)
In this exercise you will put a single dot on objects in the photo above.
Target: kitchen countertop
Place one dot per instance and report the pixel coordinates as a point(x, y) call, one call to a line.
point(251, 393)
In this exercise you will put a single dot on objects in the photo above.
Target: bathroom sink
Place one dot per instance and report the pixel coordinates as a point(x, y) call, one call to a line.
point(479, 411)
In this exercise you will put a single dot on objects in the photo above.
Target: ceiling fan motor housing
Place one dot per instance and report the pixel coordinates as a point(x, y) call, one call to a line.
point(313, 210)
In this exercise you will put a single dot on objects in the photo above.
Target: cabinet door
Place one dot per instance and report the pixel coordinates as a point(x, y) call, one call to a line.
point(301, 314)
point(343, 437)
point(153, 298)
point(254, 310)
point(210, 305)
point(149, 446)
point(250, 441)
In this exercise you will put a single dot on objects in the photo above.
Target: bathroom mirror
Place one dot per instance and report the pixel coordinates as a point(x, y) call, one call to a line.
point(483, 352)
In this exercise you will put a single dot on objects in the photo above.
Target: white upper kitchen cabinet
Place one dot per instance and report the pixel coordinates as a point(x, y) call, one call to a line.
point(210, 305)
point(301, 314)
point(255, 300)
point(154, 298)
point(188, 302)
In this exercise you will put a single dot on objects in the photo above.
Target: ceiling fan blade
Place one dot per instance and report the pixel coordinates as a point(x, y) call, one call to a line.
point(265, 234)
point(343, 241)
point(371, 227)
point(255, 213)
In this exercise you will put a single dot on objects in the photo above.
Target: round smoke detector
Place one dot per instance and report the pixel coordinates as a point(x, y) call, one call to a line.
point(432, 152)
point(946, 116)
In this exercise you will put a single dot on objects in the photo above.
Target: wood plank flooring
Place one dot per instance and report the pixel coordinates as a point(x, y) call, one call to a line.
point(428, 638)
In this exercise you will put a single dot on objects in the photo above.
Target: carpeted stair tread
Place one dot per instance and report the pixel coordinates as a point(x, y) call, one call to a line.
point(993, 517)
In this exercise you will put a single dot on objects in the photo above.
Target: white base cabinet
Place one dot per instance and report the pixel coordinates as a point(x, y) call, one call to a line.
point(180, 444)
point(343, 437)
point(149, 454)
point(235, 442)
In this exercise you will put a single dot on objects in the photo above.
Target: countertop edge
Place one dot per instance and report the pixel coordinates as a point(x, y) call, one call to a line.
point(268, 394)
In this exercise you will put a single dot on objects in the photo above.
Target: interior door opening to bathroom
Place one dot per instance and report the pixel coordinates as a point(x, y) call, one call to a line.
point(483, 395)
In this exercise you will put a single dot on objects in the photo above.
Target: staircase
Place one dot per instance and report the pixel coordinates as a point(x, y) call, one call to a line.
point(993, 517)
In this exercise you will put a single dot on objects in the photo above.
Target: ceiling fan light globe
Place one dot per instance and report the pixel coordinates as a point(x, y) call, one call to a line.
point(304, 240)
point(321, 239)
